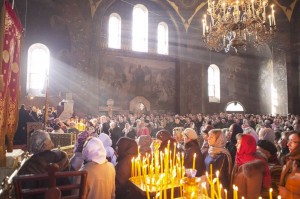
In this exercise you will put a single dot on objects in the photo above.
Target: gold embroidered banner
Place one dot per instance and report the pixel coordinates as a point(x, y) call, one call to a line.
point(11, 36)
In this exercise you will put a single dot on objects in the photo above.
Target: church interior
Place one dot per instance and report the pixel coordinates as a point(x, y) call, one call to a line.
point(142, 59)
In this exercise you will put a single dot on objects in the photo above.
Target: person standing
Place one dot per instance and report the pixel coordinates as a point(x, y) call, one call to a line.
point(191, 148)
point(290, 175)
point(100, 173)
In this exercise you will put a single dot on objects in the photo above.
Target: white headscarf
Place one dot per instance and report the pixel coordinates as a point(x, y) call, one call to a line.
point(110, 152)
point(94, 151)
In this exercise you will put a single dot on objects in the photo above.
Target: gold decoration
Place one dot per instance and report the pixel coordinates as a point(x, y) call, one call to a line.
point(15, 67)
point(233, 24)
point(5, 54)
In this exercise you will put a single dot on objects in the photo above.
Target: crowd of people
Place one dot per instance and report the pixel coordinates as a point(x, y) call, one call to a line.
point(254, 152)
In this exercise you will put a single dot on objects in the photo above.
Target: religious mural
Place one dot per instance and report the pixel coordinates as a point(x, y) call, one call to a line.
point(123, 78)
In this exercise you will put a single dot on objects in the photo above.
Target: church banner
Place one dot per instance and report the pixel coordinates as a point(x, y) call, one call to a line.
point(11, 35)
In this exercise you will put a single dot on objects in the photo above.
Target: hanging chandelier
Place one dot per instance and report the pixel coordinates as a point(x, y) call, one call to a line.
point(236, 23)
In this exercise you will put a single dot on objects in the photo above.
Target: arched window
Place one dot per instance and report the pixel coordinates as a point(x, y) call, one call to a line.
point(214, 83)
point(162, 38)
point(140, 28)
point(114, 31)
point(37, 69)
point(234, 107)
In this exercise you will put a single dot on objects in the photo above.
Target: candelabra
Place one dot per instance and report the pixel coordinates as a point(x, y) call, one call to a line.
point(234, 24)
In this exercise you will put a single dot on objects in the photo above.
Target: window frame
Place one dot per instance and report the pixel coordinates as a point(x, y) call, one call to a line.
point(140, 34)
point(115, 42)
point(214, 96)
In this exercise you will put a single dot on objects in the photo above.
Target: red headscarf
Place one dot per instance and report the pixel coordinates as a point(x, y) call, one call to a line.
point(247, 153)
point(247, 150)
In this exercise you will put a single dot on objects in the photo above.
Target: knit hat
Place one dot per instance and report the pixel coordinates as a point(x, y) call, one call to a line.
point(207, 128)
point(94, 151)
point(190, 133)
point(266, 134)
point(267, 145)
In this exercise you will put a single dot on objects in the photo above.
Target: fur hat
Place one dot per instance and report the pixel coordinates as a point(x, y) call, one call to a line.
point(268, 146)
point(93, 150)
point(190, 133)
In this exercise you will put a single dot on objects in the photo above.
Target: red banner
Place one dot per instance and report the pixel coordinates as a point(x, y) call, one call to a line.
point(10, 73)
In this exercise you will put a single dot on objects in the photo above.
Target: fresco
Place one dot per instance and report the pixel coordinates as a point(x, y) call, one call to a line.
point(123, 78)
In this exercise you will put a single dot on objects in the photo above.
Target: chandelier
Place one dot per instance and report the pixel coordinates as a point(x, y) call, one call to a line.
point(236, 23)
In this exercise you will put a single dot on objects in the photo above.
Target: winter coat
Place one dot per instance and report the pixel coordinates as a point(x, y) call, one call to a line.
point(191, 148)
point(100, 180)
point(249, 178)
point(37, 164)
point(127, 149)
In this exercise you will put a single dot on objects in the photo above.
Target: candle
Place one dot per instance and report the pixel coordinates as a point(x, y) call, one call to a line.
point(224, 9)
point(203, 27)
point(270, 22)
point(270, 193)
point(252, 1)
point(219, 187)
point(264, 16)
point(132, 167)
point(194, 160)
point(279, 197)
point(174, 153)
point(225, 190)
point(274, 22)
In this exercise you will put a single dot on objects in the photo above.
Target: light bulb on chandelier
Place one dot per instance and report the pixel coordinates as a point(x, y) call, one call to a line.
point(234, 24)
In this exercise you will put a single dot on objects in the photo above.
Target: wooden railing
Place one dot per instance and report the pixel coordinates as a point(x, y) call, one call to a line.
point(7, 183)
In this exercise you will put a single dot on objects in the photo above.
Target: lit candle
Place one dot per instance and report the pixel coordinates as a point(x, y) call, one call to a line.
point(252, 1)
point(203, 27)
point(279, 197)
point(270, 193)
point(174, 154)
point(264, 16)
point(194, 160)
point(132, 167)
point(274, 22)
point(218, 185)
point(225, 190)
point(270, 22)
point(224, 9)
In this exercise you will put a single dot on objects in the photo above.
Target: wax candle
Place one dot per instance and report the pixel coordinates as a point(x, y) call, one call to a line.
point(194, 160)
point(270, 193)
point(225, 191)
point(132, 167)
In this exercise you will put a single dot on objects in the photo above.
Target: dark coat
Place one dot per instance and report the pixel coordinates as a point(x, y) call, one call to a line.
point(37, 164)
point(191, 148)
point(219, 163)
point(115, 134)
point(127, 149)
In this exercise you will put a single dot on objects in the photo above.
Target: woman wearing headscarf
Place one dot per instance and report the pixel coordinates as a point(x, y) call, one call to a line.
point(290, 175)
point(41, 147)
point(77, 160)
point(166, 138)
point(192, 147)
point(234, 129)
point(111, 155)
point(177, 135)
point(126, 149)
point(100, 173)
point(250, 173)
point(144, 142)
point(218, 156)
